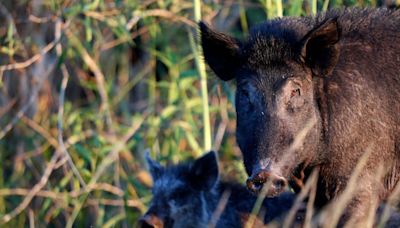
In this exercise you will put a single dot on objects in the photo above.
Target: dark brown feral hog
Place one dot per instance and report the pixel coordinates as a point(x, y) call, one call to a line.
point(188, 194)
point(317, 92)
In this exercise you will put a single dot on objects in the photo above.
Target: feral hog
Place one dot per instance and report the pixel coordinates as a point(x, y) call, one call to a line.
point(187, 195)
point(317, 92)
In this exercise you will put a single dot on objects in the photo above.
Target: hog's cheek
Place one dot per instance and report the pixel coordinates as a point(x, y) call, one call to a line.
point(245, 130)
point(190, 213)
point(297, 103)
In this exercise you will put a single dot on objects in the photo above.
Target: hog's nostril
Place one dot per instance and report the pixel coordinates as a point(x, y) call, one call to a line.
point(150, 221)
point(146, 225)
point(258, 185)
point(255, 184)
point(279, 184)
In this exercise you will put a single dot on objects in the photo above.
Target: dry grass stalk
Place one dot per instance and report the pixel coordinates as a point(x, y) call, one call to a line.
point(219, 209)
point(252, 220)
point(168, 15)
point(311, 183)
point(393, 200)
point(336, 208)
point(311, 200)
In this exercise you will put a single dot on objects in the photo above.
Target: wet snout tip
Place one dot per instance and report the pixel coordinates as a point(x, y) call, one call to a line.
point(150, 221)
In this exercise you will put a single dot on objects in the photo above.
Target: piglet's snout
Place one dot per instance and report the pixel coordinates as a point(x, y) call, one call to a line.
point(150, 221)
point(274, 184)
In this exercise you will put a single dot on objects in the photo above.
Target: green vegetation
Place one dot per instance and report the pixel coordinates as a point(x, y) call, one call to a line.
point(87, 86)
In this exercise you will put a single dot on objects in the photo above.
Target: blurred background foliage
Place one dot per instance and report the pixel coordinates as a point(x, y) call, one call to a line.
point(87, 86)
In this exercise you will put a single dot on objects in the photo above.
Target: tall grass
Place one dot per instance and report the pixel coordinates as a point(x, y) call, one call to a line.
point(201, 68)
point(87, 86)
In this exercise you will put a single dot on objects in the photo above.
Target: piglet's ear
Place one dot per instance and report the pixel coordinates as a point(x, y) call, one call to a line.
point(320, 48)
point(155, 168)
point(221, 52)
point(204, 172)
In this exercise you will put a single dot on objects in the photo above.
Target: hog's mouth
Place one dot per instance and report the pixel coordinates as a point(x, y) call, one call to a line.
point(299, 176)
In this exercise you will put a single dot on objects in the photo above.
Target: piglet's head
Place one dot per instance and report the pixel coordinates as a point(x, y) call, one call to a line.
point(179, 191)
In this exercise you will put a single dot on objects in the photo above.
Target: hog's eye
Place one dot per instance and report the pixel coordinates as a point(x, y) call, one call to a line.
point(245, 101)
point(245, 98)
point(245, 95)
point(295, 92)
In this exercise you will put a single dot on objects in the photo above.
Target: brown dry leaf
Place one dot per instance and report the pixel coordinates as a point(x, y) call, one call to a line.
point(145, 178)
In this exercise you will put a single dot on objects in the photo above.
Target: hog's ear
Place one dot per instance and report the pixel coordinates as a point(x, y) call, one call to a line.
point(320, 48)
point(204, 172)
point(221, 52)
point(155, 168)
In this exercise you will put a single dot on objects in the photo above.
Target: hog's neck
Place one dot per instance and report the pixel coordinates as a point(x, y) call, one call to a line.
point(321, 155)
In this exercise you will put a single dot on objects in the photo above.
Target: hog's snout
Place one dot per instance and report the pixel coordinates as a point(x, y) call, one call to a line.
point(150, 221)
point(274, 184)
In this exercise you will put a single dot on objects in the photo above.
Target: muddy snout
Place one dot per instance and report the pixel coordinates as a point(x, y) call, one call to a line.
point(274, 184)
point(150, 221)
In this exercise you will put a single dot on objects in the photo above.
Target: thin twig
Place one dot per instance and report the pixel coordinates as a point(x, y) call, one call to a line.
point(101, 16)
point(69, 142)
point(61, 107)
point(223, 125)
point(123, 39)
point(31, 218)
point(99, 76)
point(220, 208)
point(39, 129)
point(32, 193)
point(118, 203)
point(168, 15)
point(7, 107)
point(41, 20)
point(33, 59)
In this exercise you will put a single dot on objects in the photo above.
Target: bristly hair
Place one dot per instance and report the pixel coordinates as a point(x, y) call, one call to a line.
point(273, 41)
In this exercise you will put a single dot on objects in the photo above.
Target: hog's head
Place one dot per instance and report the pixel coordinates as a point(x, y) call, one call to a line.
point(278, 118)
point(179, 193)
